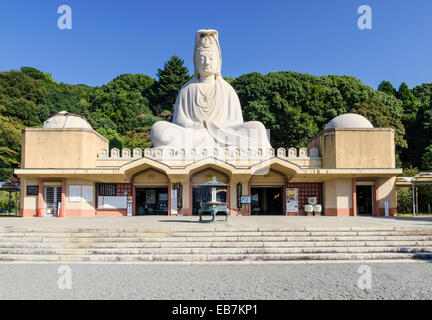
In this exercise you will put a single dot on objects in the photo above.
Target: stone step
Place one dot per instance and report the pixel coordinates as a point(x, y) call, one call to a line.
point(213, 257)
point(175, 251)
point(140, 243)
point(155, 233)
point(215, 239)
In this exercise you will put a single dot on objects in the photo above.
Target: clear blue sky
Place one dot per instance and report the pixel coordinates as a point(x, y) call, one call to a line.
point(318, 37)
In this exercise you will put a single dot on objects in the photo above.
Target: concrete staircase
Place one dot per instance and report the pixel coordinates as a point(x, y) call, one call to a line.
point(214, 245)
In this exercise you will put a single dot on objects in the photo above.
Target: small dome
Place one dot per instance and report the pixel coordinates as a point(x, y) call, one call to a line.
point(349, 120)
point(64, 119)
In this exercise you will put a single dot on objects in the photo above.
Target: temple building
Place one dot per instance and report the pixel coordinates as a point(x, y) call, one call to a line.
point(68, 170)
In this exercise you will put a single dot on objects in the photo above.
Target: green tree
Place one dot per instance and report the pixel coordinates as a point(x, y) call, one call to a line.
point(38, 75)
point(409, 102)
point(170, 80)
point(10, 142)
point(122, 100)
point(387, 87)
point(71, 98)
point(426, 160)
point(20, 97)
point(115, 141)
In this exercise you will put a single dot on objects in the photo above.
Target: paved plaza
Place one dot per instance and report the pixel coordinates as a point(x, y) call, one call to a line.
point(234, 223)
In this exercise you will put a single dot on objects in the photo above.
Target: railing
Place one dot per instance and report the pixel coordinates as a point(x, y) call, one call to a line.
point(230, 154)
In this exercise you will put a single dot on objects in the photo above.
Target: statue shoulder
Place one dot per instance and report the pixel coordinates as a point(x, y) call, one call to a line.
point(226, 85)
point(190, 85)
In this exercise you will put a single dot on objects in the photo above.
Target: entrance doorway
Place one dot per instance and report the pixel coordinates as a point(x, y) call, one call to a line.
point(267, 201)
point(364, 200)
point(53, 196)
point(151, 201)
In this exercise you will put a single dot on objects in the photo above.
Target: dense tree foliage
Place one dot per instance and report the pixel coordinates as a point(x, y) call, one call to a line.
point(387, 87)
point(170, 80)
point(295, 107)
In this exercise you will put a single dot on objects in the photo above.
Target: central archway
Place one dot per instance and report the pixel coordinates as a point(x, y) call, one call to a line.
point(201, 176)
point(151, 195)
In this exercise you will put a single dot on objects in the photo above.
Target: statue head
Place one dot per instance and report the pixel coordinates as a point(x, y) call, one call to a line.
point(207, 54)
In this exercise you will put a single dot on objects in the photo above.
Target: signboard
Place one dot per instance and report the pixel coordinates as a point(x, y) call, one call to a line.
point(386, 208)
point(292, 200)
point(32, 190)
point(180, 196)
point(74, 193)
point(246, 199)
point(174, 201)
point(106, 189)
point(129, 206)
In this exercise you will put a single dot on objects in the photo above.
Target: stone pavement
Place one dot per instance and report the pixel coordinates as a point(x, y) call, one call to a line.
point(177, 223)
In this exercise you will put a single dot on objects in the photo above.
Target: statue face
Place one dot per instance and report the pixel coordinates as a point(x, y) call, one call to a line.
point(207, 63)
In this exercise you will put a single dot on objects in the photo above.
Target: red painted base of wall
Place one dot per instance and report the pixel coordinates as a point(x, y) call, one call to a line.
point(79, 213)
point(111, 213)
point(28, 213)
point(338, 212)
point(243, 212)
point(186, 212)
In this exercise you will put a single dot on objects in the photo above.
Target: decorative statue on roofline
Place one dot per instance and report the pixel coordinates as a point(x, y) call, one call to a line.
point(207, 112)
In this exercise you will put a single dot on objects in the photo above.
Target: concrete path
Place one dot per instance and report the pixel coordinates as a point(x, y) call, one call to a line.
point(237, 222)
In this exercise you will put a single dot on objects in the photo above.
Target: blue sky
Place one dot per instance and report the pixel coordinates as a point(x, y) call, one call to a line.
point(318, 37)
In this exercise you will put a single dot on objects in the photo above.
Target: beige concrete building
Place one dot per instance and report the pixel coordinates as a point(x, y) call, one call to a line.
point(68, 170)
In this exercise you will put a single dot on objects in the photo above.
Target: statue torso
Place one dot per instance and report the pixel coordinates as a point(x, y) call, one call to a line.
point(214, 102)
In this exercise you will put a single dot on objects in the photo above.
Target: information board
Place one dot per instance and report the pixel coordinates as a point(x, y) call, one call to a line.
point(292, 200)
point(116, 202)
point(32, 190)
point(108, 189)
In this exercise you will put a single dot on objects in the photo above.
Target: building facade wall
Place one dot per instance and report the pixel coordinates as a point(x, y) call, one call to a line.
point(356, 148)
point(61, 148)
point(338, 197)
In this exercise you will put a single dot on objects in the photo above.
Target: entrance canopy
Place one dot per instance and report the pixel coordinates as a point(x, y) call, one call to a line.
point(419, 179)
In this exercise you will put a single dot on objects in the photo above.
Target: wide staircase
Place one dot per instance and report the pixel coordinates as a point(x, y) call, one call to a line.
point(213, 245)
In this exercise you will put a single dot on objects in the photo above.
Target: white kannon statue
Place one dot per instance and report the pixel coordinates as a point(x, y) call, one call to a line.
point(207, 112)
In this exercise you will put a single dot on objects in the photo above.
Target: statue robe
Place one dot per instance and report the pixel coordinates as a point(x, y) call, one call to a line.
point(222, 126)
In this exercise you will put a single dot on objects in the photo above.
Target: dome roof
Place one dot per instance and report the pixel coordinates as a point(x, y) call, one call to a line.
point(64, 119)
point(349, 120)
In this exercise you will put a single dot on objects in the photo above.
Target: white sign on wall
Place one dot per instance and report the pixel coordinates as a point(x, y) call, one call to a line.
point(245, 199)
point(74, 193)
point(174, 201)
point(87, 193)
point(112, 202)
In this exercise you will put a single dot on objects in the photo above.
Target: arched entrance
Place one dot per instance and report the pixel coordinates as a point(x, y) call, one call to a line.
point(201, 177)
point(151, 193)
point(267, 193)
